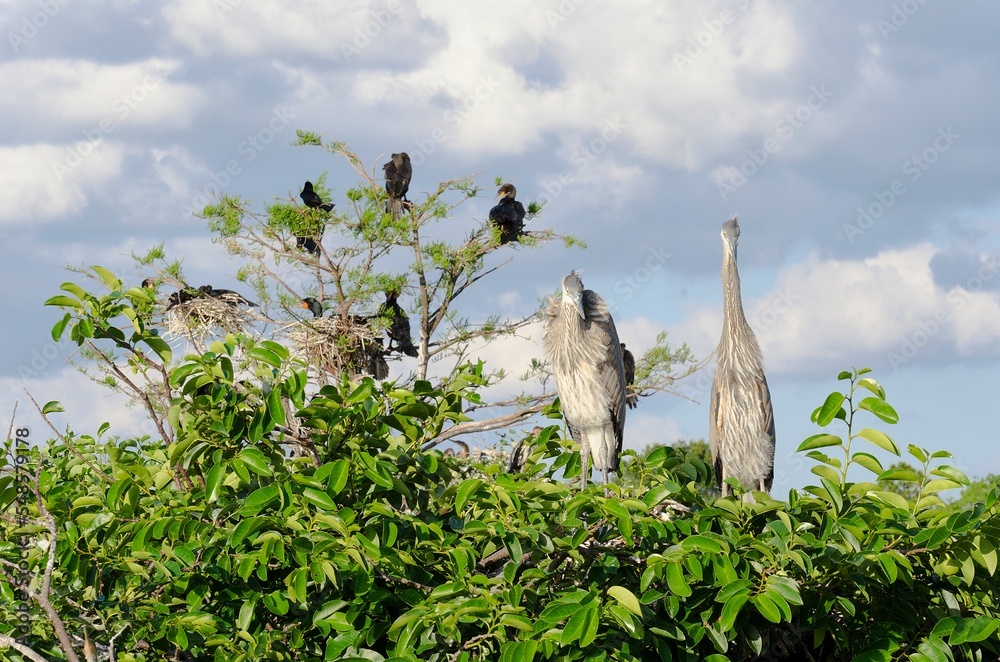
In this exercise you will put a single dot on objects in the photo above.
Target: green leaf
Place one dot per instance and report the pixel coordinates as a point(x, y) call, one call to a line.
point(786, 587)
point(872, 386)
point(339, 472)
point(111, 280)
point(880, 439)
point(951, 473)
point(62, 300)
point(212, 484)
point(766, 607)
point(519, 651)
point(318, 498)
point(833, 489)
point(466, 490)
point(880, 408)
point(939, 485)
point(52, 407)
point(868, 461)
point(819, 441)
point(702, 544)
point(159, 346)
point(256, 461)
point(675, 580)
point(626, 599)
point(274, 407)
point(829, 410)
point(60, 327)
point(265, 355)
point(260, 499)
point(731, 609)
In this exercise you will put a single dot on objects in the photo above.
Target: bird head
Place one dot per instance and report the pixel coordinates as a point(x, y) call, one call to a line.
point(404, 157)
point(312, 305)
point(149, 283)
point(307, 187)
point(731, 234)
point(205, 289)
point(572, 293)
point(506, 191)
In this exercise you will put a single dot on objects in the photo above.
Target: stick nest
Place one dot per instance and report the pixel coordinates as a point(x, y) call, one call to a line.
point(196, 318)
point(336, 346)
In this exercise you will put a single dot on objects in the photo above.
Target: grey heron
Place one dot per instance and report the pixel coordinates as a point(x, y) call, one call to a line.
point(582, 344)
point(508, 214)
point(741, 426)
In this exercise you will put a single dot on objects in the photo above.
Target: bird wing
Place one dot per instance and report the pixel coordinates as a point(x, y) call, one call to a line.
point(519, 211)
point(611, 366)
point(765, 403)
point(714, 433)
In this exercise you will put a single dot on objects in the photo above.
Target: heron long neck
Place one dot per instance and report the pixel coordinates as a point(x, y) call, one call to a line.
point(734, 323)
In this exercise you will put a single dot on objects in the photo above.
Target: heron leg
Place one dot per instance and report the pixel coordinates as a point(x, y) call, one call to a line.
point(584, 466)
point(726, 489)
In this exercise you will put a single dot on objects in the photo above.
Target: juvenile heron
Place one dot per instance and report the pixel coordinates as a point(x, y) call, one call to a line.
point(741, 426)
point(582, 344)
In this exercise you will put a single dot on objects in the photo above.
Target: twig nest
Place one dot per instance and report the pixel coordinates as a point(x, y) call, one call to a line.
point(335, 346)
point(196, 318)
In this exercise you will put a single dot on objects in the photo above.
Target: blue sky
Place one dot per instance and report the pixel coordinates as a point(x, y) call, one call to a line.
point(858, 142)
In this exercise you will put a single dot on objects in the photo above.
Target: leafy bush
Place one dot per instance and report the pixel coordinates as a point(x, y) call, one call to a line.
point(363, 545)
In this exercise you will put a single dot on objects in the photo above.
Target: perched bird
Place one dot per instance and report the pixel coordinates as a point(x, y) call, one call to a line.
point(741, 425)
point(581, 342)
point(182, 295)
point(628, 361)
point(377, 365)
point(149, 283)
point(399, 324)
point(508, 214)
point(312, 305)
point(518, 456)
point(398, 173)
point(312, 200)
point(226, 296)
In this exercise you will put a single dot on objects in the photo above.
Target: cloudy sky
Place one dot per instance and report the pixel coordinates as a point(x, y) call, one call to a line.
point(857, 141)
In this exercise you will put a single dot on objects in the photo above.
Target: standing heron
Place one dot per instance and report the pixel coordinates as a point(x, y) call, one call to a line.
point(398, 173)
point(582, 344)
point(508, 214)
point(741, 428)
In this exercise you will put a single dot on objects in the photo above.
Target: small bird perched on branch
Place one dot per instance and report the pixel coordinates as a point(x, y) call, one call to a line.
point(508, 215)
point(581, 342)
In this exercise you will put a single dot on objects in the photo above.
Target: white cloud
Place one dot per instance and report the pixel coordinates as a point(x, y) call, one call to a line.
point(45, 181)
point(96, 99)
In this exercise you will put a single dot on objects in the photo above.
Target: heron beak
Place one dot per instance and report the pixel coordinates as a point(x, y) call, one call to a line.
point(576, 301)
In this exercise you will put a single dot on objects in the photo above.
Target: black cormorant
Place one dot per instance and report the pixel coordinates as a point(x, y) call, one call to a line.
point(226, 296)
point(398, 173)
point(399, 324)
point(508, 214)
point(182, 295)
point(313, 201)
point(313, 306)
